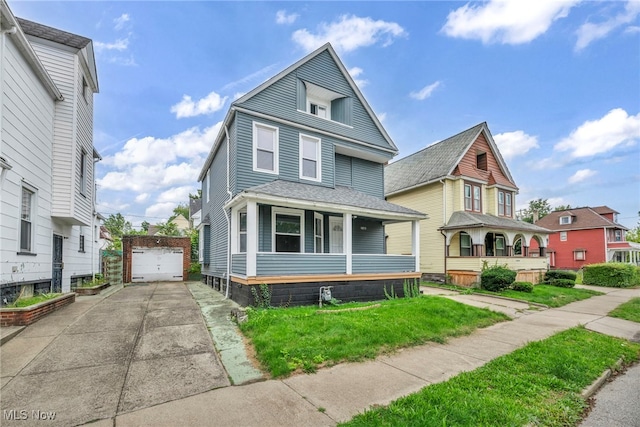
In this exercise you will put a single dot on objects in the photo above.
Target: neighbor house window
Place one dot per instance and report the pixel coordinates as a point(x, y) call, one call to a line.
point(81, 246)
point(501, 203)
point(504, 203)
point(287, 229)
point(265, 148)
point(500, 246)
point(467, 197)
point(579, 254)
point(242, 232)
point(465, 244)
point(481, 161)
point(563, 236)
point(618, 235)
point(472, 197)
point(507, 205)
point(26, 220)
point(83, 172)
point(310, 158)
point(564, 220)
point(318, 229)
point(476, 198)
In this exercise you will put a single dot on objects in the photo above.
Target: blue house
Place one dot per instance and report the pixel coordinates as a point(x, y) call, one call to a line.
point(293, 192)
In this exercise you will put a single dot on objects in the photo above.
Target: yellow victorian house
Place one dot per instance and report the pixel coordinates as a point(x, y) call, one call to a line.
point(465, 187)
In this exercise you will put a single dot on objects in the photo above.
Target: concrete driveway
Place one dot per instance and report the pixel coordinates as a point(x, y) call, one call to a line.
point(100, 357)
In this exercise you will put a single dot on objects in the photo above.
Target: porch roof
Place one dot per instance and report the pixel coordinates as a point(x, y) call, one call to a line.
point(462, 219)
point(339, 199)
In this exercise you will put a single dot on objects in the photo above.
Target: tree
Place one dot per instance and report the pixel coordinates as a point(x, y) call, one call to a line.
point(633, 235)
point(145, 226)
point(117, 225)
point(541, 206)
point(198, 195)
point(181, 209)
point(562, 208)
point(168, 229)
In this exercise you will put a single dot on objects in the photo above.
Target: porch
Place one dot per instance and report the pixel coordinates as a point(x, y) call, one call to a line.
point(626, 252)
point(465, 271)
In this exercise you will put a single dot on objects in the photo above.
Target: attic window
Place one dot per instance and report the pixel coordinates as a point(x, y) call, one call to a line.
point(481, 161)
point(565, 220)
point(324, 103)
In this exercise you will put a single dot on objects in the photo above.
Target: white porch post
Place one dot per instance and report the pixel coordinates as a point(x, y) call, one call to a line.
point(415, 243)
point(348, 239)
point(252, 237)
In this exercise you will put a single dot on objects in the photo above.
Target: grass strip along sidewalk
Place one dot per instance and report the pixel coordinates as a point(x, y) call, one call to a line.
point(539, 384)
point(305, 338)
point(630, 310)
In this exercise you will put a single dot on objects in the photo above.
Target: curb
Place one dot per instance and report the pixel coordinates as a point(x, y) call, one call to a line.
point(11, 334)
point(591, 389)
point(537, 304)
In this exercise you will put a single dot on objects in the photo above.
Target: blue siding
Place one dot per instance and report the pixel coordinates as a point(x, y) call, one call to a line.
point(289, 264)
point(206, 245)
point(233, 158)
point(382, 263)
point(343, 170)
point(369, 241)
point(239, 264)
point(218, 240)
point(281, 99)
point(264, 228)
point(368, 177)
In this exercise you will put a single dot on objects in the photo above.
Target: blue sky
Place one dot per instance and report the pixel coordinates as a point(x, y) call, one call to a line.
point(557, 82)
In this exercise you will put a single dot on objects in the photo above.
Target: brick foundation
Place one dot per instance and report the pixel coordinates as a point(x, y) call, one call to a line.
point(24, 316)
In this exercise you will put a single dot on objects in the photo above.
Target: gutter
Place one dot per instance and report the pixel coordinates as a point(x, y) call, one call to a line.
point(227, 215)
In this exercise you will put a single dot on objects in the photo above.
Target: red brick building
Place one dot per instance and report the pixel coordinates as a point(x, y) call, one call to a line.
point(587, 236)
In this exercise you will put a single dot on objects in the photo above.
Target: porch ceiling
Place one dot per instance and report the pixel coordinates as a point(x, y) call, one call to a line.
point(339, 199)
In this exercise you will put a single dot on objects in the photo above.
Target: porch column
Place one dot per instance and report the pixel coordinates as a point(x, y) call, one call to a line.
point(415, 242)
point(543, 251)
point(525, 251)
point(348, 240)
point(509, 250)
point(252, 237)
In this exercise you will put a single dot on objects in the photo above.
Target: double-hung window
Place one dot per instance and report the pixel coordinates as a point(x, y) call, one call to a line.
point(242, 232)
point(467, 197)
point(288, 226)
point(83, 172)
point(81, 245)
point(310, 158)
point(472, 198)
point(26, 220)
point(265, 148)
point(507, 205)
point(501, 203)
point(318, 230)
point(564, 220)
point(318, 109)
point(465, 244)
point(504, 203)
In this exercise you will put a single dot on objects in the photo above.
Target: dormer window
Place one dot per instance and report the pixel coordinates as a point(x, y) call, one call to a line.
point(318, 109)
point(481, 161)
point(324, 103)
point(565, 220)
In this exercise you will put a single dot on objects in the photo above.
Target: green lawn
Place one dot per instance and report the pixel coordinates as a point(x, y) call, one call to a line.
point(630, 310)
point(539, 384)
point(25, 302)
point(551, 296)
point(287, 339)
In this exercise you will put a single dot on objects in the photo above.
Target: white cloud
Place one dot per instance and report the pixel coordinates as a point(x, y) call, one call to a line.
point(349, 33)
point(149, 164)
point(283, 18)
point(143, 197)
point(253, 76)
point(589, 32)
point(581, 175)
point(121, 21)
point(513, 144)
point(382, 117)
point(118, 45)
point(505, 21)
point(355, 72)
point(160, 210)
point(207, 105)
point(616, 128)
point(238, 95)
point(425, 92)
point(176, 194)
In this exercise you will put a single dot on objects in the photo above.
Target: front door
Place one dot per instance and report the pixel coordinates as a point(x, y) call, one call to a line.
point(56, 278)
point(336, 235)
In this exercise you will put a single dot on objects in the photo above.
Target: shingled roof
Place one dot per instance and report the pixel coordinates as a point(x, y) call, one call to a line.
point(338, 196)
point(52, 34)
point(436, 161)
point(581, 219)
point(463, 219)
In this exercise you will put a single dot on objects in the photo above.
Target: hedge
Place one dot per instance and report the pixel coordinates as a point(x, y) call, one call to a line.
point(522, 286)
point(559, 274)
point(497, 278)
point(563, 283)
point(613, 274)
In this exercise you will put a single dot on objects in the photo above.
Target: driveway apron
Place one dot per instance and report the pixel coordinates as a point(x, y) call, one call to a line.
point(144, 345)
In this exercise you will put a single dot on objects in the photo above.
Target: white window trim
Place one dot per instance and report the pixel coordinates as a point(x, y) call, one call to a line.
point(563, 236)
point(501, 203)
point(470, 198)
point(508, 203)
point(33, 218)
point(276, 144)
point(208, 182)
point(83, 172)
point(321, 103)
point(562, 220)
point(317, 216)
point(240, 232)
point(318, 158)
point(579, 258)
point(465, 247)
point(286, 211)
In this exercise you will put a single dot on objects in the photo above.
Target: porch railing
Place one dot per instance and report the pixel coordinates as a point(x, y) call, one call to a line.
point(514, 263)
point(383, 263)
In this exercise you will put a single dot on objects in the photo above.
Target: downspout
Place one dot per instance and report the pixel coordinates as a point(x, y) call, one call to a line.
point(93, 224)
point(12, 30)
point(444, 222)
point(227, 216)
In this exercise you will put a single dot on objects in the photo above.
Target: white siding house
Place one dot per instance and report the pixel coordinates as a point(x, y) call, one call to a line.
point(47, 82)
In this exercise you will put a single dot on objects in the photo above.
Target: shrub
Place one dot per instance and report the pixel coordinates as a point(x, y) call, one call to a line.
point(614, 274)
point(522, 286)
point(497, 278)
point(563, 283)
point(559, 274)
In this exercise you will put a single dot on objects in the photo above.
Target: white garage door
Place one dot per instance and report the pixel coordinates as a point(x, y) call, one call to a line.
point(156, 264)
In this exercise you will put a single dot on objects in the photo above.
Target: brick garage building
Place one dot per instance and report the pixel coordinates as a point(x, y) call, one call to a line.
point(155, 258)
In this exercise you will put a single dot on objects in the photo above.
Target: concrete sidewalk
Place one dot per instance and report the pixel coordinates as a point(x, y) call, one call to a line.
point(338, 393)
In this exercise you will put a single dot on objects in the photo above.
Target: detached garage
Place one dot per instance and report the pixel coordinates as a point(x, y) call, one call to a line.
point(155, 258)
